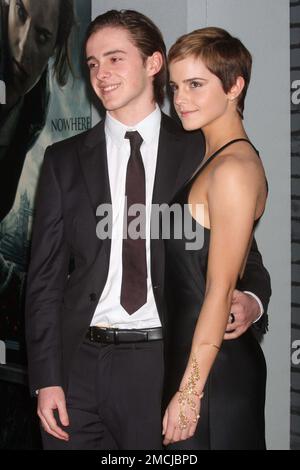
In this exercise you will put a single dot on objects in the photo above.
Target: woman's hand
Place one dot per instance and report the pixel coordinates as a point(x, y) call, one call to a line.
point(180, 419)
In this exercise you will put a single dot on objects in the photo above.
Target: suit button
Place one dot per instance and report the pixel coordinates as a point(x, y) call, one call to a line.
point(156, 287)
point(93, 297)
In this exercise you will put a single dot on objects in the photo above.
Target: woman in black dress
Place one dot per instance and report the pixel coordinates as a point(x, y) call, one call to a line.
point(215, 390)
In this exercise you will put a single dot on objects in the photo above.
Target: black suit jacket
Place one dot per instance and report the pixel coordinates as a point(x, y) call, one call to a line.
point(69, 264)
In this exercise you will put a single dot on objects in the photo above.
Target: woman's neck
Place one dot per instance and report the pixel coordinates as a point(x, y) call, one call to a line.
point(221, 131)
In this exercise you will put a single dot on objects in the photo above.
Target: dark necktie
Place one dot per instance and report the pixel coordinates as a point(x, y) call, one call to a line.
point(134, 276)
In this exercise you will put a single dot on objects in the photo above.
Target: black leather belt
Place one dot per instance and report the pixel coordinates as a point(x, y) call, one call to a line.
point(117, 336)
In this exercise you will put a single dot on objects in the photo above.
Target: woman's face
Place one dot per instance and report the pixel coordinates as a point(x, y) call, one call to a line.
point(32, 33)
point(199, 98)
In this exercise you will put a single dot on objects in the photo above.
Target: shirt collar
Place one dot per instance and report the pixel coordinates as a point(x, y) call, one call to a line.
point(148, 127)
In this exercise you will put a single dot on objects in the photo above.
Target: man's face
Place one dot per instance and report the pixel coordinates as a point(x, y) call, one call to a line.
point(32, 33)
point(119, 76)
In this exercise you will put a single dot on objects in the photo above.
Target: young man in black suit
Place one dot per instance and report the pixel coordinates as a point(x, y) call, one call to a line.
point(95, 332)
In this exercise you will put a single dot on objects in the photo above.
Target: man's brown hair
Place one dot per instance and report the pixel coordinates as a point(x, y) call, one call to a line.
point(145, 35)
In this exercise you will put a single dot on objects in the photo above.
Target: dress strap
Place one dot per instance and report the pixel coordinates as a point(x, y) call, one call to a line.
point(225, 146)
point(214, 155)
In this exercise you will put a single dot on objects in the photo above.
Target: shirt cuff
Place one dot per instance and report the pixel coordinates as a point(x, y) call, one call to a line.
point(259, 303)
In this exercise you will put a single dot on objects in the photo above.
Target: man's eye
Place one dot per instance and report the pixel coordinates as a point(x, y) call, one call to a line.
point(21, 12)
point(173, 87)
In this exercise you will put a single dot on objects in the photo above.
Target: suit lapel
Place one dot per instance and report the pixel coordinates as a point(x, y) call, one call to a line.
point(170, 153)
point(168, 161)
point(93, 162)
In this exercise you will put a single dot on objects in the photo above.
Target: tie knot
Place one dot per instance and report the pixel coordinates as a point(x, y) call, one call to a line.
point(135, 139)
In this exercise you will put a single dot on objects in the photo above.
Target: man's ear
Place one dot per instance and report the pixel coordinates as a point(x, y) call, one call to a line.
point(154, 63)
point(236, 89)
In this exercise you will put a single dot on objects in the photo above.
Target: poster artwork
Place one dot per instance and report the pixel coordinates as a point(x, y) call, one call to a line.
point(43, 100)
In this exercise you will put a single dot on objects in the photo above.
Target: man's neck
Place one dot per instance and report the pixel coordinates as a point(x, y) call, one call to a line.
point(133, 117)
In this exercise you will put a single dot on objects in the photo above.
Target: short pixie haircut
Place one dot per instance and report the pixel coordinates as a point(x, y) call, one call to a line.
point(224, 55)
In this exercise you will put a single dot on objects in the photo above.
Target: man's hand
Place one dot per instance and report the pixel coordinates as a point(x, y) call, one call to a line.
point(245, 310)
point(49, 399)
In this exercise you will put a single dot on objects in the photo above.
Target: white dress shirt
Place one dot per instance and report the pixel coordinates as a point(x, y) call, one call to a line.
point(109, 312)
point(261, 308)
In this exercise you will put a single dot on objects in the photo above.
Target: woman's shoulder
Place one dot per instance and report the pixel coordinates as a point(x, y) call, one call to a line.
point(237, 175)
point(238, 163)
